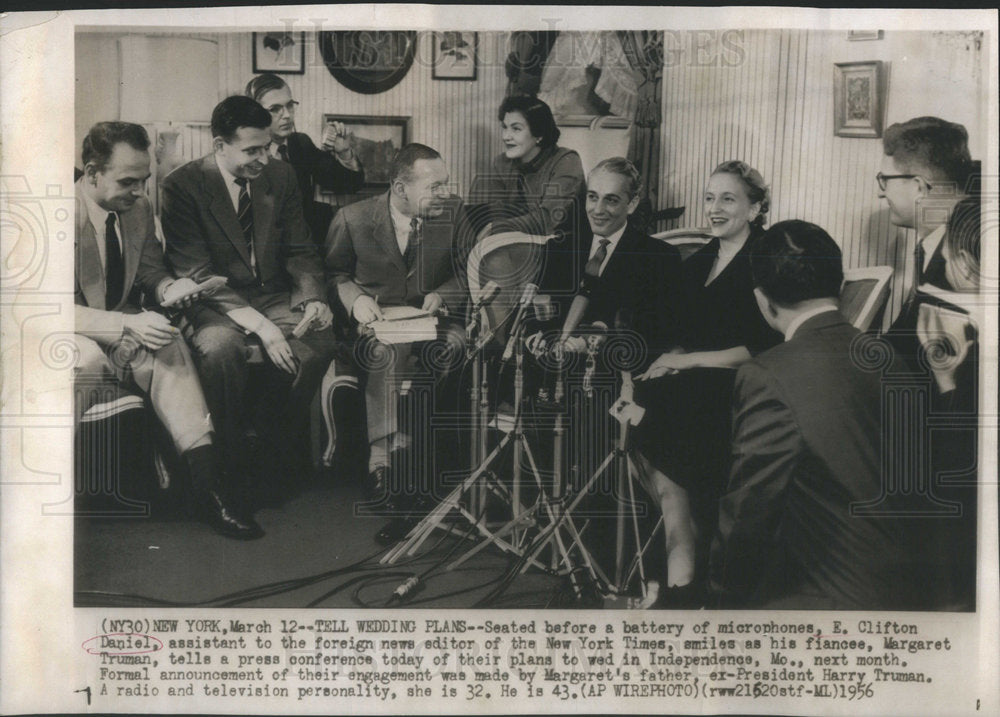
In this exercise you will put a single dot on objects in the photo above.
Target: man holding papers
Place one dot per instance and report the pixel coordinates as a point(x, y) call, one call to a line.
point(119, 259)
point(396, 249)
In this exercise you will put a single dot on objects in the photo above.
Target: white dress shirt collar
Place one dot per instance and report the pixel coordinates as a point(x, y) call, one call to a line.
point(98, 218)
point(930, 244)
point(401, 223)
point(234, 189)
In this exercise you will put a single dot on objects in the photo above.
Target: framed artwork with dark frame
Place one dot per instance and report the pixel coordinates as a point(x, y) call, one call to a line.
point(279, 52)
point(859, 94)
point(375, 140)
point(454, 55)
point(368, 61)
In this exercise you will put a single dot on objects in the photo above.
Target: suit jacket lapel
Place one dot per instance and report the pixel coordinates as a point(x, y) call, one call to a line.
point(133, 242)
point(89, 272)
point(619, 257)
point(384, 232)
point(222, 207)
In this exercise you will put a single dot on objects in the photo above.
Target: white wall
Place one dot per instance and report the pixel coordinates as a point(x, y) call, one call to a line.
point(144, 78)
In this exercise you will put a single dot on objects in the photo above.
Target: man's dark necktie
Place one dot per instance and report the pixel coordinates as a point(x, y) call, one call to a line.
point(412, 243)
point(919, 254)
point(283, 152)
point(244, 212)
point(593, 266)
point(114, 266)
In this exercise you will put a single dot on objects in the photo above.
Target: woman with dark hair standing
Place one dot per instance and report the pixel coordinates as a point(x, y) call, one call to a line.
point(683, 440)
point(539, 188)
point(333, 166)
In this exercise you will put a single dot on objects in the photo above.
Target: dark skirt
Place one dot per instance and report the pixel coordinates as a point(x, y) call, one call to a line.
point(686, 430)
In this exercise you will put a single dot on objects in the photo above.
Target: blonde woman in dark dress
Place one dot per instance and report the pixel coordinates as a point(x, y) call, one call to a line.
point(683, 441)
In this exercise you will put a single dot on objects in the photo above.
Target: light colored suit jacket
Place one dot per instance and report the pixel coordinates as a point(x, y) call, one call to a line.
point(363, 257)
point(204, 237)
point(144, 270)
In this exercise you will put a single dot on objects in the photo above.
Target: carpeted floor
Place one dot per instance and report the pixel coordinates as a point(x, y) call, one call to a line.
point(317, 553)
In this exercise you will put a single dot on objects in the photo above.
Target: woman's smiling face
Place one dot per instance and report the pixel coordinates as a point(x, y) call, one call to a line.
point(727, 205)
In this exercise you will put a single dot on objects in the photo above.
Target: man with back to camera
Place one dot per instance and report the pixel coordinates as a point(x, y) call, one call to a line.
point(235, 214)
point(793, 529)
point(333, 166)
point(118, 257)
point(401, 248)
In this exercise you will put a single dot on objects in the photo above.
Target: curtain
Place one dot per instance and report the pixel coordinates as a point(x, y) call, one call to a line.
point(644, 50)
point(526, 61)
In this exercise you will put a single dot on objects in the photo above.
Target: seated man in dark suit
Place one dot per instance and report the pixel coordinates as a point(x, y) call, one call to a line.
point(396, 249)
point(333, 166)
point(626, 272)
point(118, 258)
point(793, 529)
point(235, 214)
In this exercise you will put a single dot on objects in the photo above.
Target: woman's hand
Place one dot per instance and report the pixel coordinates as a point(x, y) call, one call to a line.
point(943, 338)
point(668, 363)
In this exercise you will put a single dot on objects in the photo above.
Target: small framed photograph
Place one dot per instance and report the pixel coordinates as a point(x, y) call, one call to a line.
point(280, 52)
point(454, 56)
point(375, 141)
point(859, 94)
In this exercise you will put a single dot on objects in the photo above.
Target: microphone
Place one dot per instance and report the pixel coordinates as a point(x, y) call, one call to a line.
point(526, 297)
point(545, 310)
point(489, 293)
point(597, 333)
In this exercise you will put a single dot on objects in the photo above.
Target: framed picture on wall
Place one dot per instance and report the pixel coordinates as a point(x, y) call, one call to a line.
point(280, 52)
point(375, 141)
point(454, 56)
point(859, 93)
point(369, 61)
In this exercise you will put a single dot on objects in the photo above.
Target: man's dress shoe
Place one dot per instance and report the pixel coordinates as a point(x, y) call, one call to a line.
point(224, 520)
point(377, 485)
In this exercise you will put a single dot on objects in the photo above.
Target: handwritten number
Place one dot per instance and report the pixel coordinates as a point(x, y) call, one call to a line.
point(87, 690)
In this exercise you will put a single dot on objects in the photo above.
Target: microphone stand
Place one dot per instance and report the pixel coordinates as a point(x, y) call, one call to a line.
point(482, 477)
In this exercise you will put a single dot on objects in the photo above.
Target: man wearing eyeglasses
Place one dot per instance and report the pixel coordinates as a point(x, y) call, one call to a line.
point(925, 172)
point(237, 214)
point(333, 165)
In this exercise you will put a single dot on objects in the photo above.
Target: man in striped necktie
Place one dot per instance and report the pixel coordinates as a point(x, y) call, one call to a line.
point(234, 213)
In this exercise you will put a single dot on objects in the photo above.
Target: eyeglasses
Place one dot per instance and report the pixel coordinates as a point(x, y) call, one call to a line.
point(883, 178)
point(289, 108)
